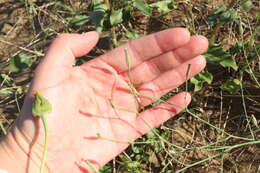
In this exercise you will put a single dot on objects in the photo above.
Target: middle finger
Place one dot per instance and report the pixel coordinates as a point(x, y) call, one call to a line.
point(149, 70)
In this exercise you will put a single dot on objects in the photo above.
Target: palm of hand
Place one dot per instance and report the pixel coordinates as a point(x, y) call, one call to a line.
point(94, 114)
point(87, 111)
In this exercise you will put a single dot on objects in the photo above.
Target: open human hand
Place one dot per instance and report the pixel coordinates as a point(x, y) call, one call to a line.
point(95, 106)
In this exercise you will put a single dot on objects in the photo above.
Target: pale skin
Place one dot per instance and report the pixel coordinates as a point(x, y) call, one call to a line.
point(83, 125)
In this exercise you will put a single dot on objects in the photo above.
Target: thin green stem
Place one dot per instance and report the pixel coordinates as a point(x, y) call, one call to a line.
point(199, 162)
point(2, 128)
point(112, 140)
point(229, 148)
point(92, 167)
point(246, 57)
point(159, 136)
point(121, 108)
point(46, 142)
point(244, 106)
point(221, 130)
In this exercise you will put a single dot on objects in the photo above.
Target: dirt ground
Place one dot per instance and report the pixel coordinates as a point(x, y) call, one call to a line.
point(21, 31)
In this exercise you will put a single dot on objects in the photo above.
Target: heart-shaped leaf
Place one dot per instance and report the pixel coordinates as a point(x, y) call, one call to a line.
point(201, 78)
point(162, 6)
point(143, 7)
point(247, 5)
point(99, 14)
point(217, 55)
point(116, 17)
point(232, 86)
point(20, 62)
point(132, 35)
point(41, 106)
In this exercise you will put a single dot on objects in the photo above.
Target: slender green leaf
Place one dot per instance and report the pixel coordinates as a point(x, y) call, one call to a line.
point(256, 73)
point(143, 7)
point(254, 121)
point(79, 20)
point(3, 128)
point(128, 60)
point(5, 91)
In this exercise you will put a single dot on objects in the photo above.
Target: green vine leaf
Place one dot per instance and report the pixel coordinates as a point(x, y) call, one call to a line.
point(132, 35)
point(20, 62)
point(143, 7)
point(223, 15)
point(229, 62)
point(200, 79)
point(41, 106)
point(99, 14)
point(217, 55)
point(162, 6)
point(232, 86)
point(78, 20)
point(116, 17)
point(247, 5)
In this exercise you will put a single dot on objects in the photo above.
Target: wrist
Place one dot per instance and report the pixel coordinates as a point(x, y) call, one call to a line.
point(16, 154)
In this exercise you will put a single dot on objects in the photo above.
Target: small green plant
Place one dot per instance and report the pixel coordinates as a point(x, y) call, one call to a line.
point(134, 166)
point(8, 86)
point(232, 86)
point(41, 107)
point(117, 12)
point(20, 62)
point(223, 15)
point(246, 5)
point(200, 79)
point(106, 169)
point(217, 55)
point(105, 15)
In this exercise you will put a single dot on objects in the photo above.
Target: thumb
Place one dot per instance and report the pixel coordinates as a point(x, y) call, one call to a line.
point(66, 47)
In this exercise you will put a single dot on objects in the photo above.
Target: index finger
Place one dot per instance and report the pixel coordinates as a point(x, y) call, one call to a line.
point(146, 48)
